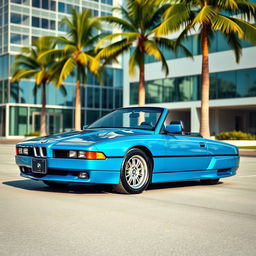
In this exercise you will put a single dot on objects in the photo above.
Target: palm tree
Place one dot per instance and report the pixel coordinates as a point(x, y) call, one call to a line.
point(76, 53)
point(28, 65)
point(226, 16)
point(140, 19)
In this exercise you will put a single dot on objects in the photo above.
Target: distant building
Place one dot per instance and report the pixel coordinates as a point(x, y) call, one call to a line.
point(21, 21)
point(232, 92)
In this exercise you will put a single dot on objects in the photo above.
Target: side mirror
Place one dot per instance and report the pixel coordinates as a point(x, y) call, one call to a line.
point(173, 128)
point(85, 127)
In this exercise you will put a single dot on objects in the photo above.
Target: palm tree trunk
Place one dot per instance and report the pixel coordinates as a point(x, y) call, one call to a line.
point(78, 106)
point(142, 91)
point(204, 124)
point(43, 112)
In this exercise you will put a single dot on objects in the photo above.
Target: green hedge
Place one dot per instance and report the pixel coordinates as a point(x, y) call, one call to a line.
point(33, 134)
point(235, 135)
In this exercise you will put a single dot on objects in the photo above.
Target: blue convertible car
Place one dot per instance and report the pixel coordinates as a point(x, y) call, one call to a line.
point(128, 148)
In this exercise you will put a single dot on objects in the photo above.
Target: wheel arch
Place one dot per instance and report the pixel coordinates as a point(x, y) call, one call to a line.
point(147, 152)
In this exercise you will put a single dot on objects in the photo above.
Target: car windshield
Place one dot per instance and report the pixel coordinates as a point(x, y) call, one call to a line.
point(134, 118)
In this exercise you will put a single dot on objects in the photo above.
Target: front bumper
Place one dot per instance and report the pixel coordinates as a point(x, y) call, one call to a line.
point(66, 170)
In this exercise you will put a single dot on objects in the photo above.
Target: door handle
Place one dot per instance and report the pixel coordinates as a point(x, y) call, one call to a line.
point(202, 145)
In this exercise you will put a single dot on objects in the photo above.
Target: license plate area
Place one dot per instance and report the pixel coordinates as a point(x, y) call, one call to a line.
point(39, 166)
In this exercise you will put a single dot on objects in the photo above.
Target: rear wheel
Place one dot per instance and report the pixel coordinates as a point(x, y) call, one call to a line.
point(54, 184)
point(135, 173)
point(210, 181)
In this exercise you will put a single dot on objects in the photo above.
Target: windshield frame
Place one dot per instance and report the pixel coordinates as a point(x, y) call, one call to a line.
point(161, 110)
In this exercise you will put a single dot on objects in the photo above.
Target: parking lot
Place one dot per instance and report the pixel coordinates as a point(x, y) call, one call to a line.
point(181, 218)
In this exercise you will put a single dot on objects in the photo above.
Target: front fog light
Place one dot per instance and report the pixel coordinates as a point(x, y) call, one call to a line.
point(25, 151)
point(81, 154)
point(83, 175)
point(72, 154)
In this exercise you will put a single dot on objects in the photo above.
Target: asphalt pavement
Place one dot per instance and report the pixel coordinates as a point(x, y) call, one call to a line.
point(181, 218)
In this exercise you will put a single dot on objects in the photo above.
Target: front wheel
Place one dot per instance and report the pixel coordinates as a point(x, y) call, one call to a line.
point(135, 173)
point(210, 181)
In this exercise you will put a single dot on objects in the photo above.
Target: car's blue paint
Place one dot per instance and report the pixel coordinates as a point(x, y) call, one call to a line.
point(174, 157)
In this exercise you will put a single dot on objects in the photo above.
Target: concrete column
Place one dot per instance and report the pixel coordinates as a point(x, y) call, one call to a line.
point(126, 81)
point(214, 121)
point(195, 119)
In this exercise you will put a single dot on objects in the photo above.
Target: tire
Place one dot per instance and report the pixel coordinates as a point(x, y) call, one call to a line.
point(135, 173)
point(54, 184)
point(210, 182)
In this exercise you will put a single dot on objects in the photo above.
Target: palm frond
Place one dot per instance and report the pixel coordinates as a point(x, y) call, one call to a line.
point(174, 18)
point(129, 37)
point(51, 54)
point(152, 49)
point(205, 15)
point(235, 44)
point(249, 30)
point(227, 4)
point(126, 16)
point(84, 58)
point(118, 22)
point(23, 73)
point(114, 48)
point(226, 25)
point(40, 76)
point(66, 69)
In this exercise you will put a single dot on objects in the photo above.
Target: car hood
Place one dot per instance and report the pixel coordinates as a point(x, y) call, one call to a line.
point(85, 138)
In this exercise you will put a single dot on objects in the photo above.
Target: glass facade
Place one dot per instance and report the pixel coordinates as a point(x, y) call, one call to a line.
point(22, 21)
point(230, 84)
point(192, 43)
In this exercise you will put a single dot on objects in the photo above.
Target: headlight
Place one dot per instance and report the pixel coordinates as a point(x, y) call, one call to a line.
point(72, 154)
point(20, 152)
point(25, 151)
point(81, 154)
point(90, 155)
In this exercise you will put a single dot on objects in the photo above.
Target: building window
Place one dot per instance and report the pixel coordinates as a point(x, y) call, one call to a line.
point(229, 84)
point(106, 13)
point(15, 38)
point(36, 3)
point(35, 22)
point(43, 23)
point(67, 8)
point(25, 2)
point(61, 7)
point(109, 2)
point(44, 4)
point(16, 18)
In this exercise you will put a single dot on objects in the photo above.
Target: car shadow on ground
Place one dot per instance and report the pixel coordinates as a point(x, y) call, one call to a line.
point(177, 184)
point(94, 189)
point(76, 189)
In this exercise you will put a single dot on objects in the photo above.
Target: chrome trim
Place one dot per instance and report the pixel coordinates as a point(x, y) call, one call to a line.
point(38, 152)
point(24, 165)
point(35, 153)
point(41, 152)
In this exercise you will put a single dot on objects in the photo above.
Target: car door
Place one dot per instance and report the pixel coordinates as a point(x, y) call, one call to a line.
point(186, 153)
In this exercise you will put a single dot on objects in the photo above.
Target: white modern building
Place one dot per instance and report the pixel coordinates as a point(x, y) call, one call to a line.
point(232, 93)
point(233, 86)
point(21, 21)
